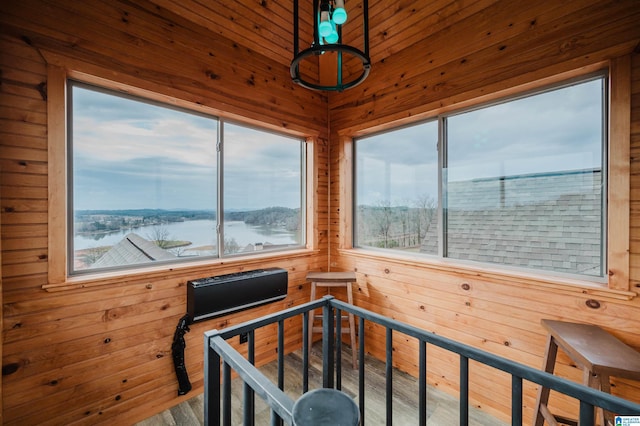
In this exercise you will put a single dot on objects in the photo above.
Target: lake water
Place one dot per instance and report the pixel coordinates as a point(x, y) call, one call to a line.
point(199, 232)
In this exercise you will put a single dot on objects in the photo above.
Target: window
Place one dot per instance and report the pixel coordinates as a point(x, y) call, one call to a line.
point(145, 184)
point(520, 183)
point(263, 191)
point(397, 187)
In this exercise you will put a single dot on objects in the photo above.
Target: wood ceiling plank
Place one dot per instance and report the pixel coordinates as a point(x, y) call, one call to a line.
point(151, 43)
point(491, 29)
point(589, 38)
point(260, 29)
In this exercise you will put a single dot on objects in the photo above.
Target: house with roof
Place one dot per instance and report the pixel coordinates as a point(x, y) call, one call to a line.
point(132, 250)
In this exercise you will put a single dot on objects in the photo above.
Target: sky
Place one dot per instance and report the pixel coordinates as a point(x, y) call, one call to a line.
point(554, 131)
point(129, 154)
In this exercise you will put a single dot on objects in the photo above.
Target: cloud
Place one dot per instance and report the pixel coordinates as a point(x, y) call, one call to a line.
point(261, 169)
point(555, 131)
point(133, 154)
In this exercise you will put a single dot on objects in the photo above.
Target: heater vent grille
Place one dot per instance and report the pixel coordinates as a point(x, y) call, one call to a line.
point(218, 295)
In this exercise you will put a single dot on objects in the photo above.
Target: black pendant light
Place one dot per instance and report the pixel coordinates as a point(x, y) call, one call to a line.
point(329, 17)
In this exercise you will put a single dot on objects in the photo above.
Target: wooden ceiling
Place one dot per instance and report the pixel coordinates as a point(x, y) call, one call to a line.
point(266, 26)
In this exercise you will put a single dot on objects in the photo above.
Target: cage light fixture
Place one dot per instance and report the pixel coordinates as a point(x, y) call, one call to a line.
point(329, 16)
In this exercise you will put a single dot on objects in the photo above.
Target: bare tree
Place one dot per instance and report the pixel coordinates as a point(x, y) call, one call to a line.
point(231, 245)
point(425, 209)
point(160, 236)
point(382, 215)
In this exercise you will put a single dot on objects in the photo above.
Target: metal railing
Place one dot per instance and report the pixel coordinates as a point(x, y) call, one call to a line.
point(218, 380)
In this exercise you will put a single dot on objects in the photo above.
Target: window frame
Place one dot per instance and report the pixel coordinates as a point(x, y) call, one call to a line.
point(443, 119)
point(220, 201)
point(617, 134)
point(60, 274)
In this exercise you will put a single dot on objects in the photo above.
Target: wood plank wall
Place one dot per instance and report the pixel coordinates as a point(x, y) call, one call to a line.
point(103, 354)
point(496, 312)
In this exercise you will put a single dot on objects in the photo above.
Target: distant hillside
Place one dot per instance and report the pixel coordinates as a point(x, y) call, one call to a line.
point(271, 216)
point(91, 221)
point(168, 215)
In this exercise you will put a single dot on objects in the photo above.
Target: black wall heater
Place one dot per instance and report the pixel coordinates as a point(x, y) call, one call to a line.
point(214, 296)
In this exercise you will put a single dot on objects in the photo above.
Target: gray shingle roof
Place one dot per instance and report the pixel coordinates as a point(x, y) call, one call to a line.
point(131, 250)
point(549, 221)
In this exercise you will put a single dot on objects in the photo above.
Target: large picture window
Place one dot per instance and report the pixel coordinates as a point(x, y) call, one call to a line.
point(520, 183)
point(145, 184)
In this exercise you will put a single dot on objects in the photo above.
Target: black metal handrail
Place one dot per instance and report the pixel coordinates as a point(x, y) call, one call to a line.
point(217, 350)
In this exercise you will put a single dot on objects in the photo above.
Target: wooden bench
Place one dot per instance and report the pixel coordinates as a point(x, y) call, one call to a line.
point(334, 279)
point(599, 355)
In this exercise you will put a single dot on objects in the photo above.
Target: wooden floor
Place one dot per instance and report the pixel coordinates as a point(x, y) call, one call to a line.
point(442, 409)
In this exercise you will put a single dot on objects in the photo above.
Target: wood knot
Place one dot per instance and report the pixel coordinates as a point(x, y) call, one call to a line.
point(387, 271)
point(592, 303)
point(42, 89)
point(465, 286)
point(211, 75)
point(9, 369)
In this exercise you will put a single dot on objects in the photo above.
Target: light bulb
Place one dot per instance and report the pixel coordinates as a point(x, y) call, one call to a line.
point(325, 27)
point(333, 35)
point(339, 15)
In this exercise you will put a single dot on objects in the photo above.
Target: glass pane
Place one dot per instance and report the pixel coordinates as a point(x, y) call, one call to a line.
point(143, 182)
point(262, 191)
point(397, 189)
point(524, 182)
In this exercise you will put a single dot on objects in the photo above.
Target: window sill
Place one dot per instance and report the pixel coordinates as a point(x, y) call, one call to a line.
point(548, 282)
point(191, 270)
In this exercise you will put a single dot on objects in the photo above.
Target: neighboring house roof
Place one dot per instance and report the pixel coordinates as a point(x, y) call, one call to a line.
point(549, 221)
point(132, 249)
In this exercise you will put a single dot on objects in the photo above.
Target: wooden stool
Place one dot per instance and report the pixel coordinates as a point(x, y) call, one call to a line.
point(334, 279)
point(597, 352)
